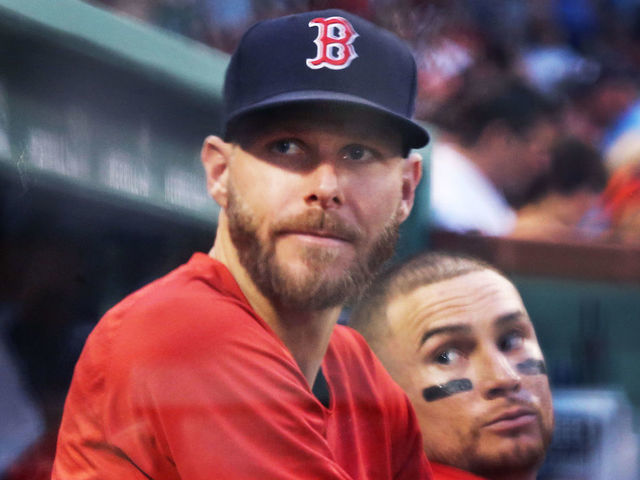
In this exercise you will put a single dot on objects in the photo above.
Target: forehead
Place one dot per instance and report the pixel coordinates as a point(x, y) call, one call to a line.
point(476, 299)
point(354, 123)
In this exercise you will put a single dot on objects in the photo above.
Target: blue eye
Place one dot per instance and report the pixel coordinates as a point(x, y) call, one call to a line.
point(359, 153)
point(285, 147)
point(511, 341)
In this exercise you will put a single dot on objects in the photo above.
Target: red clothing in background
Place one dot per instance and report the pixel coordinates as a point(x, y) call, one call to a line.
point(182, 380)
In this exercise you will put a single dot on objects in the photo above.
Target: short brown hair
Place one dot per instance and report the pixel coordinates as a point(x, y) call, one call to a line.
point(369, 314)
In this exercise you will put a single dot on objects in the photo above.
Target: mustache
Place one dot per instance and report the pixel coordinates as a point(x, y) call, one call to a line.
point(319, 222)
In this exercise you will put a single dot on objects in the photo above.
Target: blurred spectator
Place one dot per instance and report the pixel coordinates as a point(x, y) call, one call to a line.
point(448, 43)
point(225, 22)
point(621, 95)
point(619, 212)
point(221, 23)
point(570, 189)
point(181, 16)
point(621, 205)
point(625, 151)
point(547, 59)
point(615, 217)
point(604, 108)
point(495, 143)
point(447, 63)
point(579, 19)
point(444, 42)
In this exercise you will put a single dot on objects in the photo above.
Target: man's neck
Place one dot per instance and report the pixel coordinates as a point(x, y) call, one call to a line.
point(306, 334)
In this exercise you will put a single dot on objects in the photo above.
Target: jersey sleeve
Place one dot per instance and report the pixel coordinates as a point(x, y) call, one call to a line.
point(386, 411)
point(190, 394)
point(414, 463)
point(410, 461)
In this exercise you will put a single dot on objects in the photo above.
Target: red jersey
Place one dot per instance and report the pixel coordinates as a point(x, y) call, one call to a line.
point(183, 380)
point(447, 472)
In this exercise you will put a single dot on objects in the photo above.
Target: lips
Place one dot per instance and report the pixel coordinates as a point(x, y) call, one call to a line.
point(319, 224)
point(320, 234)
point(512, 419)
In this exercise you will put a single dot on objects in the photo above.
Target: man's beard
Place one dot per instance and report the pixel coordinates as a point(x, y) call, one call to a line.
point(309, 292)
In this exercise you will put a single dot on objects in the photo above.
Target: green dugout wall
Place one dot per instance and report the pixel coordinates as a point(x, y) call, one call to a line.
point(101, 188)
point(105, 107)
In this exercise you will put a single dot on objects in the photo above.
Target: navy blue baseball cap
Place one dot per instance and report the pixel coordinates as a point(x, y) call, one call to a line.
point(328, 56)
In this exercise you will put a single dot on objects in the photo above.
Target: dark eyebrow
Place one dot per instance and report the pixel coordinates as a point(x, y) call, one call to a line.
point(446, 330)
point(512, 317)
point(501, 321)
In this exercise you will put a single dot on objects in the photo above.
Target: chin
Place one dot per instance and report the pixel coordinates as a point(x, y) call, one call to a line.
point(517, 457)
point(316, 261)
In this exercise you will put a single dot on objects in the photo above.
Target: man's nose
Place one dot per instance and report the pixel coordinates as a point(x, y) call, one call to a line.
point(498, 377)
point(324, 187)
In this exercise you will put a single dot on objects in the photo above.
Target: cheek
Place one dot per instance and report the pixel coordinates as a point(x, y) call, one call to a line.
point(406, 369)
point(538, 385)
point(262, 188)
point(446, 422)
point(374, 199)
point(539, 392)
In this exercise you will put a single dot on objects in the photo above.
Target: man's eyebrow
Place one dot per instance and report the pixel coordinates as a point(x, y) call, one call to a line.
point(446, 330)
point(512, 317)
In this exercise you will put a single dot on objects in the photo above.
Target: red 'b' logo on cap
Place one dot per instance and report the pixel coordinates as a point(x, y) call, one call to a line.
point(334, 42)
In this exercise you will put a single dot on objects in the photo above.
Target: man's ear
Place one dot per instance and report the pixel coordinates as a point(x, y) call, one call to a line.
point(411, 175)
point(215, 156)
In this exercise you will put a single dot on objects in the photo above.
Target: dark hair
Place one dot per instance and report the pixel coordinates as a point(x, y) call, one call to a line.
point(597, 74)
point(574, 165)
point(479, 104)
point(369, 314)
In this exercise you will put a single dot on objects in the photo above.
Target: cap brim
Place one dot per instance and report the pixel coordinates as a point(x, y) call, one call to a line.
point(414, 134)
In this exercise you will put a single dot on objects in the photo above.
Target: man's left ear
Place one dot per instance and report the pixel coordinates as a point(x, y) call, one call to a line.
point(411, 175)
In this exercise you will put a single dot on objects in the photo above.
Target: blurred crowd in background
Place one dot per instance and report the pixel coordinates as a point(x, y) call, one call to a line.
point(534, 103)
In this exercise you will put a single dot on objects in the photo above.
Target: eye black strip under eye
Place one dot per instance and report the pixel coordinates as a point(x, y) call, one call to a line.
point(445, 390)
point(532, 367)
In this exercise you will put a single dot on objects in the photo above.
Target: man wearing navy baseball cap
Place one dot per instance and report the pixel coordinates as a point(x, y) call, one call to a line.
point(233, 366)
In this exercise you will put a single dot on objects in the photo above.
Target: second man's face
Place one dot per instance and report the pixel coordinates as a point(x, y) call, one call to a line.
point(467, 355)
